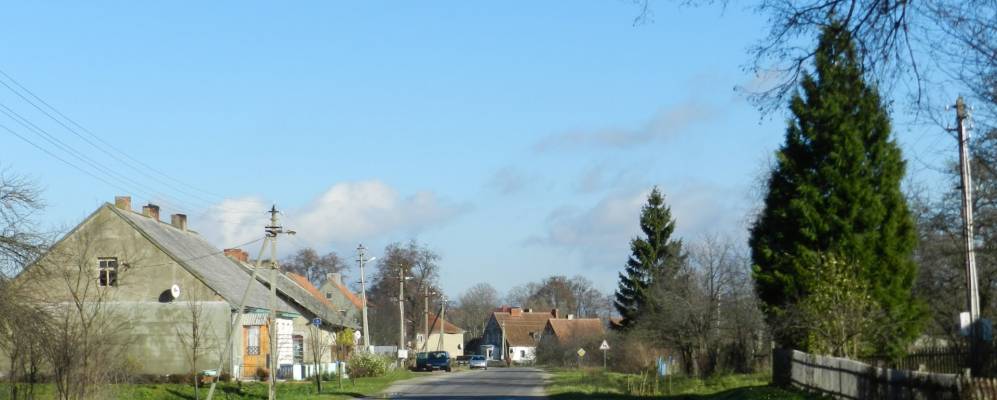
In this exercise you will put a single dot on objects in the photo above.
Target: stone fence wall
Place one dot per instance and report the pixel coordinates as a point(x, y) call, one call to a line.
point(848, 379)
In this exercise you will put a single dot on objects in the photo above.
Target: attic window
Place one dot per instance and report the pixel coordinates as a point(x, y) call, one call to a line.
point(107, 271)
point(328, 295)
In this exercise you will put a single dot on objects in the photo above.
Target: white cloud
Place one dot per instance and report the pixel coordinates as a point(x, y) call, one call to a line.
point(664, 124)
point(508, 180)
point(600, 235)
point(346, 213)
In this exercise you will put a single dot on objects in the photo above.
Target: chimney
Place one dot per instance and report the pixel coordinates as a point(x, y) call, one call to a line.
point(516, 312)
point(123, 202)
point(571, 316)
point(554, 313)
point(151, 211)
point(334, 277)
point(179, 221)
point(237, 254)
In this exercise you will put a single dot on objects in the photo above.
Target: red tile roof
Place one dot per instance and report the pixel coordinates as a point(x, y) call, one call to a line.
point(303, 282)
point(448, 327)
point(579, 328)
point(523, 329)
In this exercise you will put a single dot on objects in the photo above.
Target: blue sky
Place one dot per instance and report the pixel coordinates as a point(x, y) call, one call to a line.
point(516, 139)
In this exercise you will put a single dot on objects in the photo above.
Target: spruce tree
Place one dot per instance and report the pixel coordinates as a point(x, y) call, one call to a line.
point(835, 192)
point(651, 258)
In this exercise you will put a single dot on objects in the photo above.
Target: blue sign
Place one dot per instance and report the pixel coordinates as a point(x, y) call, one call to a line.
point(317, 322)
point(662, 367)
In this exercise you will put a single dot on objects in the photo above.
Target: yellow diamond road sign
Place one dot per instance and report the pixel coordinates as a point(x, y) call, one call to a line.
point(581, 352)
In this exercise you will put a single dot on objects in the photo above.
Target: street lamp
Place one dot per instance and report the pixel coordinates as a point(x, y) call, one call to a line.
point(363, 294)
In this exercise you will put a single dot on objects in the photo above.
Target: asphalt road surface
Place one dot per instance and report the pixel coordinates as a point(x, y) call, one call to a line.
point(494, 383)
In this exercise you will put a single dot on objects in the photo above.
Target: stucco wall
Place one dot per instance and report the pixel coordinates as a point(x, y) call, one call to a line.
point(154, 319)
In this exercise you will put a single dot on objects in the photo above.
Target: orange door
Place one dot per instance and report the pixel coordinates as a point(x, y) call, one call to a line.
point(255, 350)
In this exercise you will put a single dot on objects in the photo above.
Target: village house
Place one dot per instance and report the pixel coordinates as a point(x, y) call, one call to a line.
point(148, 275)
point(452, 340)
point(572, 330)
point(516, 330)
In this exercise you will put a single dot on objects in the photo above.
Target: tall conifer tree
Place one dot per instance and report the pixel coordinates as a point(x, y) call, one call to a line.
point(835, 191)
point(651, 257)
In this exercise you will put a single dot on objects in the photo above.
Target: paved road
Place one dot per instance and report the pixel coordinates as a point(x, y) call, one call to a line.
point(494, 383)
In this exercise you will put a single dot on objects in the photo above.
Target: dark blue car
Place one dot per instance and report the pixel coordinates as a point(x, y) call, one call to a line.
point(432, 360)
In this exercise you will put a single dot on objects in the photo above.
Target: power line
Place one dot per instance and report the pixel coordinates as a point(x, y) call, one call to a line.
point(169, 200)
point(59, 158)
point(38, 131)
point(105, 151)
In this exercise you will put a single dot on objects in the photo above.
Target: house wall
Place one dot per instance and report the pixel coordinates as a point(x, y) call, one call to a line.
point(522, 354)
point(453, 343)
point(325, 337)
point(493, 336)
point(151, 320)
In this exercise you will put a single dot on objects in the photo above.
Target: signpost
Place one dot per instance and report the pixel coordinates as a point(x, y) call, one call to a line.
point(604, 347)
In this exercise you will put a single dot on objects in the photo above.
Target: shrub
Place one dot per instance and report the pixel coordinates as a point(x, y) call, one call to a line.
point(262, 374)
point(367, 365)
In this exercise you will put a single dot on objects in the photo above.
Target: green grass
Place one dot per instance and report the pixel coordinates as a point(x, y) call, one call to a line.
point(598, 384)
point(246, 391)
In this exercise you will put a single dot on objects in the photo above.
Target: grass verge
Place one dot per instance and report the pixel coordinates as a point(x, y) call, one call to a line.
point(598, 384)
point(359, 387)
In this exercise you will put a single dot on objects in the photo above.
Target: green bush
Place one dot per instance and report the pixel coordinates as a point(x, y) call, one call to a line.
point(364, 365)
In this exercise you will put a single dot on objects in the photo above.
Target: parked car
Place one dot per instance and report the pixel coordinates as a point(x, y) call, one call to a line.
point(478, 362)
point(432, 360)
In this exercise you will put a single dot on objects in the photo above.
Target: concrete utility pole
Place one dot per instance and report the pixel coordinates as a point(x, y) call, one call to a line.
point(972, 289)
point(361, 254)
point(401, 311)
point(503, 341)
point(272, 231)
point(443, 311)
point(425, 317)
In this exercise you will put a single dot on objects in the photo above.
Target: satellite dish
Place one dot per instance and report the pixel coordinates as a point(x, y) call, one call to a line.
point(175, 291)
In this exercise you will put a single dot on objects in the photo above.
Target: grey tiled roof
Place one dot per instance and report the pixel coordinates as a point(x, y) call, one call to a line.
point(200, 258)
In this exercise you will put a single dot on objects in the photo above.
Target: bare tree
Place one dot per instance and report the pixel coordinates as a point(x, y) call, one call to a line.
point(706, 310)
point(576, 295)
point(87, 337)
point(419, 263)
point(307, 262)
point(20, 242)
point(319, 344)
point(197, 338)
point(22, 324)
point(473, 308)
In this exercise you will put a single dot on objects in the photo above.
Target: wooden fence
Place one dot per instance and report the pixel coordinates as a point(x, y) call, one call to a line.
point(849, 379)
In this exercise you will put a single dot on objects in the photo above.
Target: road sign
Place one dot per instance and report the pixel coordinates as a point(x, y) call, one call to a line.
point(604, 345)
point(581, 352)
point(317, 321)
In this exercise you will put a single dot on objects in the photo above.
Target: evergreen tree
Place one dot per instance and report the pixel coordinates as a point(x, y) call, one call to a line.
point(835, 192)
point(650, 258)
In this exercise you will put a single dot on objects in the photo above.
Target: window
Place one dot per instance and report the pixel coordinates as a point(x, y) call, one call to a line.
point(253, 340)
point(299, 349)
point(107, 271)
point(328, 295)
point(522, 354)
